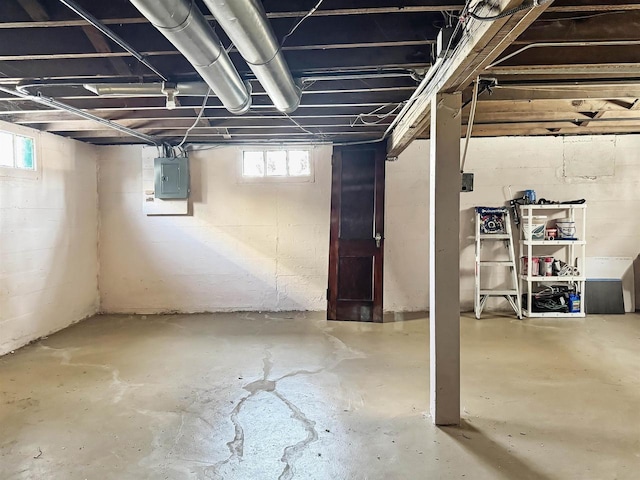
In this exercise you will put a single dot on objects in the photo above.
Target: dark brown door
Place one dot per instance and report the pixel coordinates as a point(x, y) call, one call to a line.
point(357, 234)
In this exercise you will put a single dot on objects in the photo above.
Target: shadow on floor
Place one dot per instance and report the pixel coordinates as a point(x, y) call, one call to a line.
point(502, 460)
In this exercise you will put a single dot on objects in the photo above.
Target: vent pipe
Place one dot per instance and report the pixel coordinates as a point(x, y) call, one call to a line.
point(186, 28)
point(156, 89)
point(246, 24)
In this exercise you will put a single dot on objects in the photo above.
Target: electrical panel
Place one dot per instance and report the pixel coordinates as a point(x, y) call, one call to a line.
point(467, 182)
point(171, 177)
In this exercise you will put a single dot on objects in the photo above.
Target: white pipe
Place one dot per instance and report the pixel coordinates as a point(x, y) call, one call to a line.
point(246, 24)
point(22, 92)
point(186, 28)
point(156, 89)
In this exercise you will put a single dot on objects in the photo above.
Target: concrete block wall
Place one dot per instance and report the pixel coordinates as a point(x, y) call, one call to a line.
point(604, 170)
point(48, 240)
point(246, 246)
point(265, 246)
point(406, 255)
point(249, 246)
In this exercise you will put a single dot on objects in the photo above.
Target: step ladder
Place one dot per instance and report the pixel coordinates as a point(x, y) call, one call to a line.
point(494, 224)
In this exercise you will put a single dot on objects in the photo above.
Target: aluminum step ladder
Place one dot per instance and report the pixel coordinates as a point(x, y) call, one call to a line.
point(494, 224)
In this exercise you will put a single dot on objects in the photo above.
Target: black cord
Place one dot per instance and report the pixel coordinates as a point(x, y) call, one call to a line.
point(525, 6)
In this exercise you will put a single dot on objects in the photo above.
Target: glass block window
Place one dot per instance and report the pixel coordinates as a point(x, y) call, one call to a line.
point(17, 151)
point(276, 163)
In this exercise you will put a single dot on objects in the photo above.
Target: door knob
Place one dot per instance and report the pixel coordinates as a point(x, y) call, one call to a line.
point(378, 239)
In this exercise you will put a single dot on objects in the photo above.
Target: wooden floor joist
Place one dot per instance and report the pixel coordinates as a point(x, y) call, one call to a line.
point(482, 44)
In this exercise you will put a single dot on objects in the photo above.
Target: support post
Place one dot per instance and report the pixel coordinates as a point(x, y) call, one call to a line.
point(444, 257)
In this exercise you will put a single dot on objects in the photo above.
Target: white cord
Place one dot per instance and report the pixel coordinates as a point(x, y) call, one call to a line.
point(472, 116)
point(295, 27)
point(381, 117)
point(204, 104)
point(320, 134)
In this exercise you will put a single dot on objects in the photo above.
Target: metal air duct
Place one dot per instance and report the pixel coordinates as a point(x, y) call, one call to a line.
point(246, 24)
point(185, 27)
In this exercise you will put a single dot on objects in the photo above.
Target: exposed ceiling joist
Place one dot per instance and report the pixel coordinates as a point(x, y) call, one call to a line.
point(103, 50)
point(606, 27)
point(35, 10)
point(484, 42)
point(353, 60)
point(38, 13)
point(582, 6)
point(444, 6)
point(579, 91)
point(593, 69)
point(521, 107)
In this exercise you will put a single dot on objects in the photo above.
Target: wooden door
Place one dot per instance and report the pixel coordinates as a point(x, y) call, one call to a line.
point(357, 234)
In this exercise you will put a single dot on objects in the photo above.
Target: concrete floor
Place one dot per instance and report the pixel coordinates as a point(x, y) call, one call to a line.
point(290, 396)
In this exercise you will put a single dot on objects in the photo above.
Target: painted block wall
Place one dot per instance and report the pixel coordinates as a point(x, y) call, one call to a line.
point(48, 240)
point(604, 170)
point(406, 254)
point(266, 246)
point(246, 246)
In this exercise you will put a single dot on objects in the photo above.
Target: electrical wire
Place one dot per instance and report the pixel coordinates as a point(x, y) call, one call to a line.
point(381, 117)
point(472, 115)
point(526, 5)
point(204, 105)
point(192, 148)
point(419, 92)
point(295, 27)
point(322, 135)
point(72, 5)
point(581, 17)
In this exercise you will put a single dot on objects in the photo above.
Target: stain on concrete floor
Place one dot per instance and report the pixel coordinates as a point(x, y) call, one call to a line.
point(252, 396)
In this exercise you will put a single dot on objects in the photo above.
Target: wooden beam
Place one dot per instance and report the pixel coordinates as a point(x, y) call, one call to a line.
point(104, 51)
point(532, 129)
point(302, 114)
point(577, 91)
point(570, 106)
point(600, 6)
point(102, 47)
point(213, 134)
point(391, 90)
point(183, 123)
point(583, 118)
point(484, 117)
point(38, 13)
point(484, 42)
point(433, 7)
point(621, 26)
point(35, 10)
point(130, 111)
point(593, 69)
point(595, 116)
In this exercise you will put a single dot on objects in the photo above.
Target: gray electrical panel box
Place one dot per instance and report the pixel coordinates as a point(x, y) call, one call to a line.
point(172, 177)
point(467, 182)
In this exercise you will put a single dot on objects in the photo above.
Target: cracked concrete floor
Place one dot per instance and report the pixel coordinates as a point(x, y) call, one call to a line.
point(252, 396)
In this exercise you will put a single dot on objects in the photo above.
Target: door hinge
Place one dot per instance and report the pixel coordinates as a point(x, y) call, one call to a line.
point(328, 293)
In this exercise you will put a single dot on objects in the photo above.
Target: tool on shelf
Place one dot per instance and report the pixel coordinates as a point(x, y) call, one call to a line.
point(530, 198)
point(494, 224)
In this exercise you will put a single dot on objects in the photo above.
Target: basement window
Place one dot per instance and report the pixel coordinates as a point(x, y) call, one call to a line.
point(17, 151)
point(274, 164)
